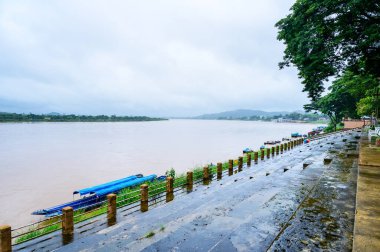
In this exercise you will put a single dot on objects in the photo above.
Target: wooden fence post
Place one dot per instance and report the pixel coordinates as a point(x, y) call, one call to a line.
point(189, 181)
point(256, 157)
point(111, 209)
point(67, 224)
point(206, 175)
point(268, 153)
point(5, 238)
point(249, 157)
point(273, 151)
point(282, 148)
point(219, 170)
point(277, 149)
point(169, 189)
point(262, 154)
point(144, 206)
point(230, 167)
point(240, 164)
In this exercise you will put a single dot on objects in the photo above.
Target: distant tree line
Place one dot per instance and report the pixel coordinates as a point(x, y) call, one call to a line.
point(13, 117)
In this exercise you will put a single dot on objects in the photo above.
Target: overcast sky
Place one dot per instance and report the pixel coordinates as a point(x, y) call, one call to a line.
point(156, 58)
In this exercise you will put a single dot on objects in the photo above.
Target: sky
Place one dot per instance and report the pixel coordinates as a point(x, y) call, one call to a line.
point(154, 58)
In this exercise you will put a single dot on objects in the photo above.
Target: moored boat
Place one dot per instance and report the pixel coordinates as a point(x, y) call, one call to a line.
point(247, 150)
point(96, 196)
point(272, 142)
point(90, 190)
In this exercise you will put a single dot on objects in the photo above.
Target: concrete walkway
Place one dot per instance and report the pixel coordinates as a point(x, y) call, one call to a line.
point(276, 205)
point(367, 219)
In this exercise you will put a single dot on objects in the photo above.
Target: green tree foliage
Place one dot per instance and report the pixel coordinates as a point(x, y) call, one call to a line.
point(170, 173)
point(325, 38)
point(348, 97)
point(366, 106)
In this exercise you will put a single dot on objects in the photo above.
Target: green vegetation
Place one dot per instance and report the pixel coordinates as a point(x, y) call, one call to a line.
point(13, 117)
point(37, 233)
point(170, 173)
point(347, 98)
point(81, 215)
point(51, 225)
point(150, 234)
point(338, 39)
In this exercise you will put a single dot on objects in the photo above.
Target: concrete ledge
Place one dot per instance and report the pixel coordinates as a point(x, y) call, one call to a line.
point(369, 154)
point(367, 218)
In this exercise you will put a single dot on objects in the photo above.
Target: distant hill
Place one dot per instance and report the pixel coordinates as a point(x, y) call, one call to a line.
point(240, 113)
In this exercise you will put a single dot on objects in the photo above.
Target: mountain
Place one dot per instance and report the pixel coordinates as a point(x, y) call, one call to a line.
point(240, 113)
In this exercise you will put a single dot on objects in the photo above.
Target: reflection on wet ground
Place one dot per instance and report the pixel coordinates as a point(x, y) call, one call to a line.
point(325, 219)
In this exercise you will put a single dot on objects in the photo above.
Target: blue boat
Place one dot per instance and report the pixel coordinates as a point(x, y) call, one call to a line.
point(247, 150)
point(90, 190)
point(57, 210)
point(116, 188)
point(96, 198)
point(161, 178)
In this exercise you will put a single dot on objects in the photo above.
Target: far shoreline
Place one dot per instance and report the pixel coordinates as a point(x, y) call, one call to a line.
point(55, 117)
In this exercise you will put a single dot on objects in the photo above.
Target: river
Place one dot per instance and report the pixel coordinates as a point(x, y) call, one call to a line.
point(41, 164)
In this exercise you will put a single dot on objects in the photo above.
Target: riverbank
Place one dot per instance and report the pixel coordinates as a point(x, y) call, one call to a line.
point(277, 204)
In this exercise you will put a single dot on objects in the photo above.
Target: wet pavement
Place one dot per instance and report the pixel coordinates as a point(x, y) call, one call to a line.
point(276, 205)
point(325, 219)
point(367, 219)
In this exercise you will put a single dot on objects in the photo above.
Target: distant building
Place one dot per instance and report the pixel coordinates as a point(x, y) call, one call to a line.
point(283, 120)
point(355, 123)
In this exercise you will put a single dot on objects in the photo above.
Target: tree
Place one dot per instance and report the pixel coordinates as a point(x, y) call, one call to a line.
point(333, 105)
point(348, 97)
point(325, 38)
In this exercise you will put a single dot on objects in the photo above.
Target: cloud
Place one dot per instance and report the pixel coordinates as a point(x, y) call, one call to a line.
point(166, 58)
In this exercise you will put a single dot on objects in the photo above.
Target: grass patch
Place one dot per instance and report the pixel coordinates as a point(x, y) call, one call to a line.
point(37, 233)
point(150, 234)
point(81, 215)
